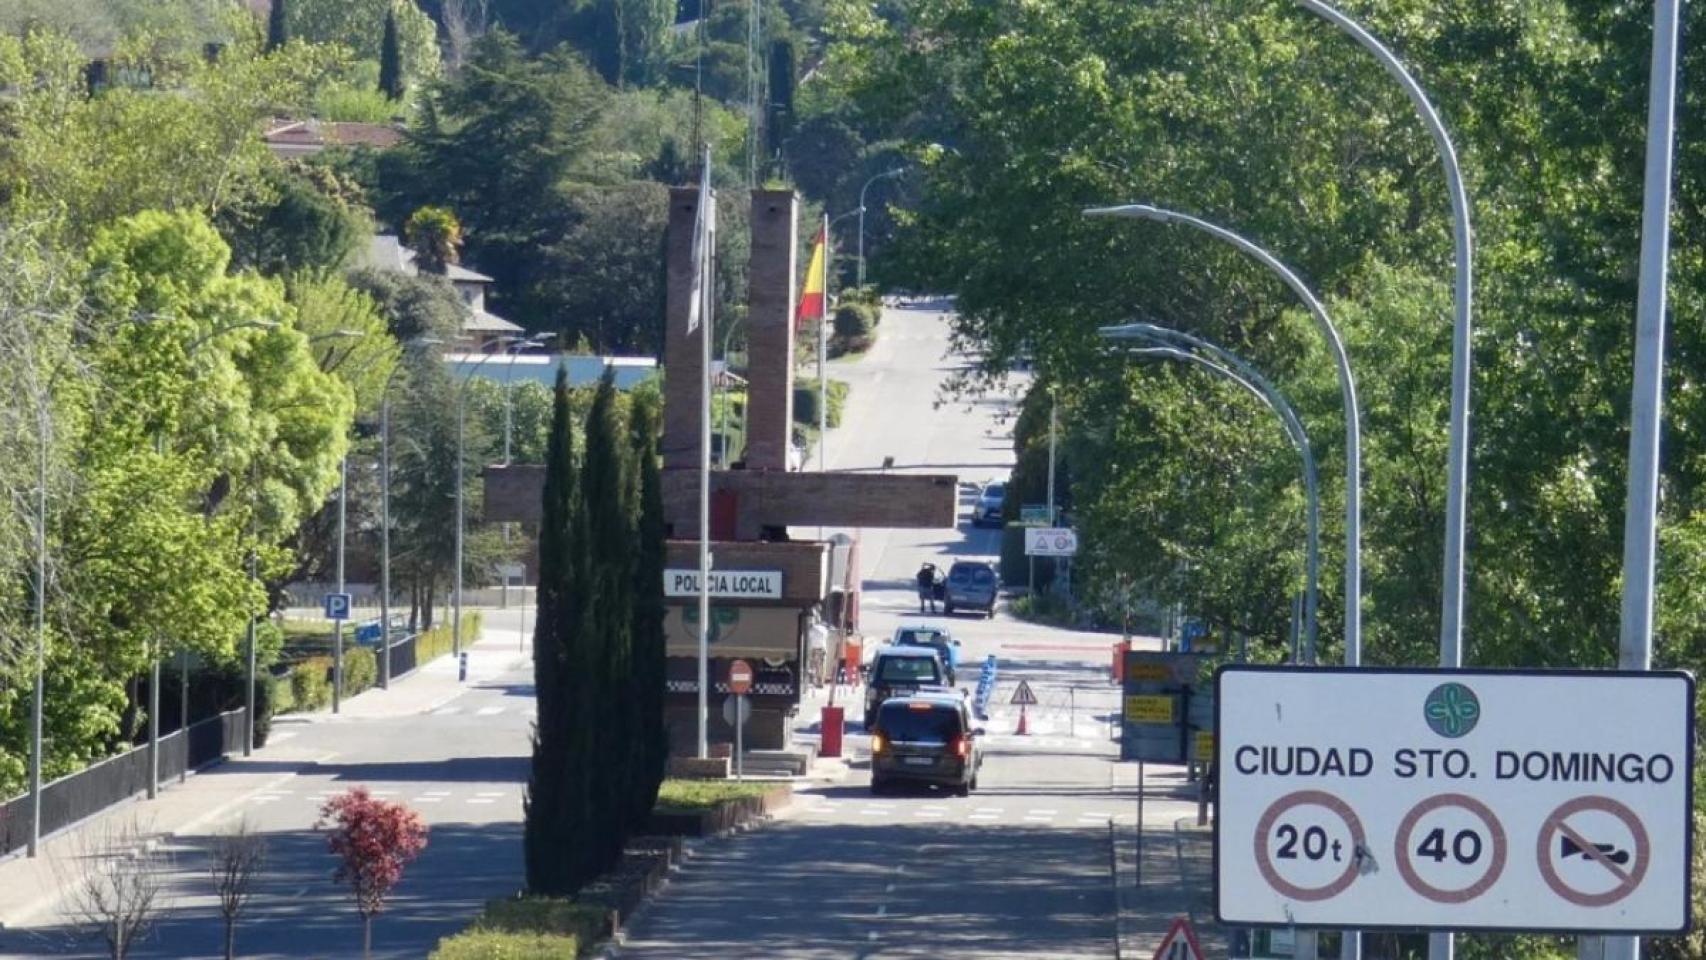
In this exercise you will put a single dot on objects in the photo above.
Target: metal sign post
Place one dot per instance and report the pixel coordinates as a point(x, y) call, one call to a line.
point(740, 684)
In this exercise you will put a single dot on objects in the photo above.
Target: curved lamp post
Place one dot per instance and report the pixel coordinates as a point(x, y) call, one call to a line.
point(461, 420)
point(886, 174)
point(1347, 389)
point(1251, 380)
point(1457, 458)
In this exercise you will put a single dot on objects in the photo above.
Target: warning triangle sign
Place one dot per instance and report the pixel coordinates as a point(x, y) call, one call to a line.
point(1023, 697)
point(1180, 943)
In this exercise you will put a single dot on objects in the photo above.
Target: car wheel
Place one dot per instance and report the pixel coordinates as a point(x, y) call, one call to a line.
point(947, 609)
point(878, 786)
point(963, 790)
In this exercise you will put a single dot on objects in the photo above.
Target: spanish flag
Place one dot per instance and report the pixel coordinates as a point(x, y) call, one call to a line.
point(811, 300)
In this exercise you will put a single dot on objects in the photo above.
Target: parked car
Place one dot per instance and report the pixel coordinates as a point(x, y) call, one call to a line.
point(898, 672)
point(971, 586)
point(926, 738)
point(987, 511)
point(936, 638)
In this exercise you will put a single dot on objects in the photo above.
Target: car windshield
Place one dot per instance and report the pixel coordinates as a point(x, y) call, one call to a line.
point(995, 492)
point(921, 637)
point(919, 722)
point(907, 670)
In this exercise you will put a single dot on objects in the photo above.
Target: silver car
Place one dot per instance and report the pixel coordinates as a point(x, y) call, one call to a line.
point(971, 586)
point(987, 511)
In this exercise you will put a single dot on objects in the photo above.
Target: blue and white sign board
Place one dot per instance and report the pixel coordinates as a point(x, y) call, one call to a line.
point(1454, 800)
point(368, 632)
point(1051, 542)
point(985, 688)
point(337, 606)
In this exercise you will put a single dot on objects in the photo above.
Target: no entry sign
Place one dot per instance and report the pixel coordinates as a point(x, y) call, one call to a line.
point(1454, 800)
point(740, 678)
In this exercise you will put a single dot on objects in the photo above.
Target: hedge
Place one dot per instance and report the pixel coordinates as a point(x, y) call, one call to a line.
point(501, 945)
point(440, 640)
point(524, 928)
point(805, 402)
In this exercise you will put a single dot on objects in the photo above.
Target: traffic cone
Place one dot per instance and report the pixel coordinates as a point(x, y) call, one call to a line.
point(1024, 728)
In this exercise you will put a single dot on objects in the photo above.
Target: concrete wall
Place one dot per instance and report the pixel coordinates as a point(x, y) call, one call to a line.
point(770, 329)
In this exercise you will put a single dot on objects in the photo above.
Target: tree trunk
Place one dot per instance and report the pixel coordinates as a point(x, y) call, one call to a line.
point(367, 937)
point(230, 938)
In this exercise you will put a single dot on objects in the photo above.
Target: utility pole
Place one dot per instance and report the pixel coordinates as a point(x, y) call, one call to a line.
point(338, 625)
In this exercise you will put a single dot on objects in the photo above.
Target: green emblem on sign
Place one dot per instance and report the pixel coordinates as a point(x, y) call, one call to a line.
point(1452, 710)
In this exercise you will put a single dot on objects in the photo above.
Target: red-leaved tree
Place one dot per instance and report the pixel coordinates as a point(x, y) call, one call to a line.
point(373, 841)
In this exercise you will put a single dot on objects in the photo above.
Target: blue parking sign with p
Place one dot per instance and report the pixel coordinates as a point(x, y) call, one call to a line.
point(337, 606)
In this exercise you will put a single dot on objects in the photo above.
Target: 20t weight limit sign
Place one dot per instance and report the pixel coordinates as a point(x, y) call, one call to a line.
point(1460, 800)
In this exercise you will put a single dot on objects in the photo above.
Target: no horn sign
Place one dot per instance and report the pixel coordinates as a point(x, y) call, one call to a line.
point(1460, 800)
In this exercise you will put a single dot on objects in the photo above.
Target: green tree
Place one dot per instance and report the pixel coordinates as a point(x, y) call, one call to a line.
point(311, 222)
point(415, 305)
point(359, 25)
point(391, 60)
point(650, 738)
point(435, 236)
point(557, 804)
point(606, 493)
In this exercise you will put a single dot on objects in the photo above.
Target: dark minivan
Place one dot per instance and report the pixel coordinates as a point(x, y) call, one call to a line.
point(898, 671)
point(926, 739)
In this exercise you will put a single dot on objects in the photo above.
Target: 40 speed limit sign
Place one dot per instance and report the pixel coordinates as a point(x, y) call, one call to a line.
point(1454, 800)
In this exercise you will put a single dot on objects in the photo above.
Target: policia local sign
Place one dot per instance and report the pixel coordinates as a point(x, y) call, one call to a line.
point(726, 584)
point(1461, 800)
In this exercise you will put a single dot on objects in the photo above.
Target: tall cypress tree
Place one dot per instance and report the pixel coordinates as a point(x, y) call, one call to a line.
point(647, 689)
point(391, 59)
point(553, 814)
point(277, 32)
point(607, 499)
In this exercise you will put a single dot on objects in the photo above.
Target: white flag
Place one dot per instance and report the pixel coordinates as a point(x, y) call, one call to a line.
point(701, 237)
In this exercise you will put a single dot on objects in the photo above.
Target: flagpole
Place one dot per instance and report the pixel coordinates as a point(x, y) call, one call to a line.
point(707, 285)
point(822, 352)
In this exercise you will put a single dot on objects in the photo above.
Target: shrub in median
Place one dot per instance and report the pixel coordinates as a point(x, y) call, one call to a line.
point(499, 945)
point(441, 639)
point(524, 928)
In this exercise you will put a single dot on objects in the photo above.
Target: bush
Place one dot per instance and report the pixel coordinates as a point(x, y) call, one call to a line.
point(440, 640)
point(361, 670)
point(269, 697)
point(311, 683)
point(525, 928)
point(500, 945)
point(854, 320)
point(805, 403)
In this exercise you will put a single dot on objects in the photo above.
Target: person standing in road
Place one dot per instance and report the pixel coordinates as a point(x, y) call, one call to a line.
point(927, 588)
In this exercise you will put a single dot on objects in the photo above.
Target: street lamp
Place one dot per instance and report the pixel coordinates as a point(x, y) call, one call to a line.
point(886, 174)
point(343, 502)
point(1252, 380)
point(1347, 389)
point(461, 419)
point(514, 353)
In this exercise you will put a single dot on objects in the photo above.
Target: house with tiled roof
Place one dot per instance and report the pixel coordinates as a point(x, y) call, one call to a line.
point(483, 328)
point(303, 138)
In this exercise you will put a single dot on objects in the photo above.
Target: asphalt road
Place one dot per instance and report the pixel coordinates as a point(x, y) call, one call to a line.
point(461, 765)
point(1018, 869)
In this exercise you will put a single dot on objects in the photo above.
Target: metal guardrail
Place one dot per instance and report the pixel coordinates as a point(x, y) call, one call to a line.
point(94, 788)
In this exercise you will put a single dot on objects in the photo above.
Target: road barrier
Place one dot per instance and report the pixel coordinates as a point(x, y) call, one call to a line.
point(89, 791)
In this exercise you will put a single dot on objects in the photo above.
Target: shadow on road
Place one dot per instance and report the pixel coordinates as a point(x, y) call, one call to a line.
point(299, 912)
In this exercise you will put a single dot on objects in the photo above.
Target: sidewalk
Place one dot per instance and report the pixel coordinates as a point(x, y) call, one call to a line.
point(1176, 878)
point(29, 887)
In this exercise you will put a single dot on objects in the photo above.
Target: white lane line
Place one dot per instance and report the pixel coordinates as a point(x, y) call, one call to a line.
point(930, 814)
point(480, 800)
point(986, 817)
point(491, 793)
point(383, 793)
point(435, 793)
point(489, 711)
point(989, 809)
point(429, 799)
point(446, 711)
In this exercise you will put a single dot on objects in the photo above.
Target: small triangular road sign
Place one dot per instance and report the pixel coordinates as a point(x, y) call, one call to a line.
point(1180, 943)
point(1023, 697)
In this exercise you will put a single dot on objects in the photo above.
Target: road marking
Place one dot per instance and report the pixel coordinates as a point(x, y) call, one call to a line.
point(429, 799)
point(883, 910)
point(489, 711)
point(988, 809)
point(481, 800)
point(435, 793)
point(446, 711)
point(984, 816)
point(491, 793)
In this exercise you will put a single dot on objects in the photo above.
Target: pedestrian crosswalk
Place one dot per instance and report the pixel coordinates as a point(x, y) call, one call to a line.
point(817, 807)
point(411, 796)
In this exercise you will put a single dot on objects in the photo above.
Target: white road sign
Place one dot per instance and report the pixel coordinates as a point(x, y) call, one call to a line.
point(1503, 800)
point(1051, 542)
point(728, 584)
